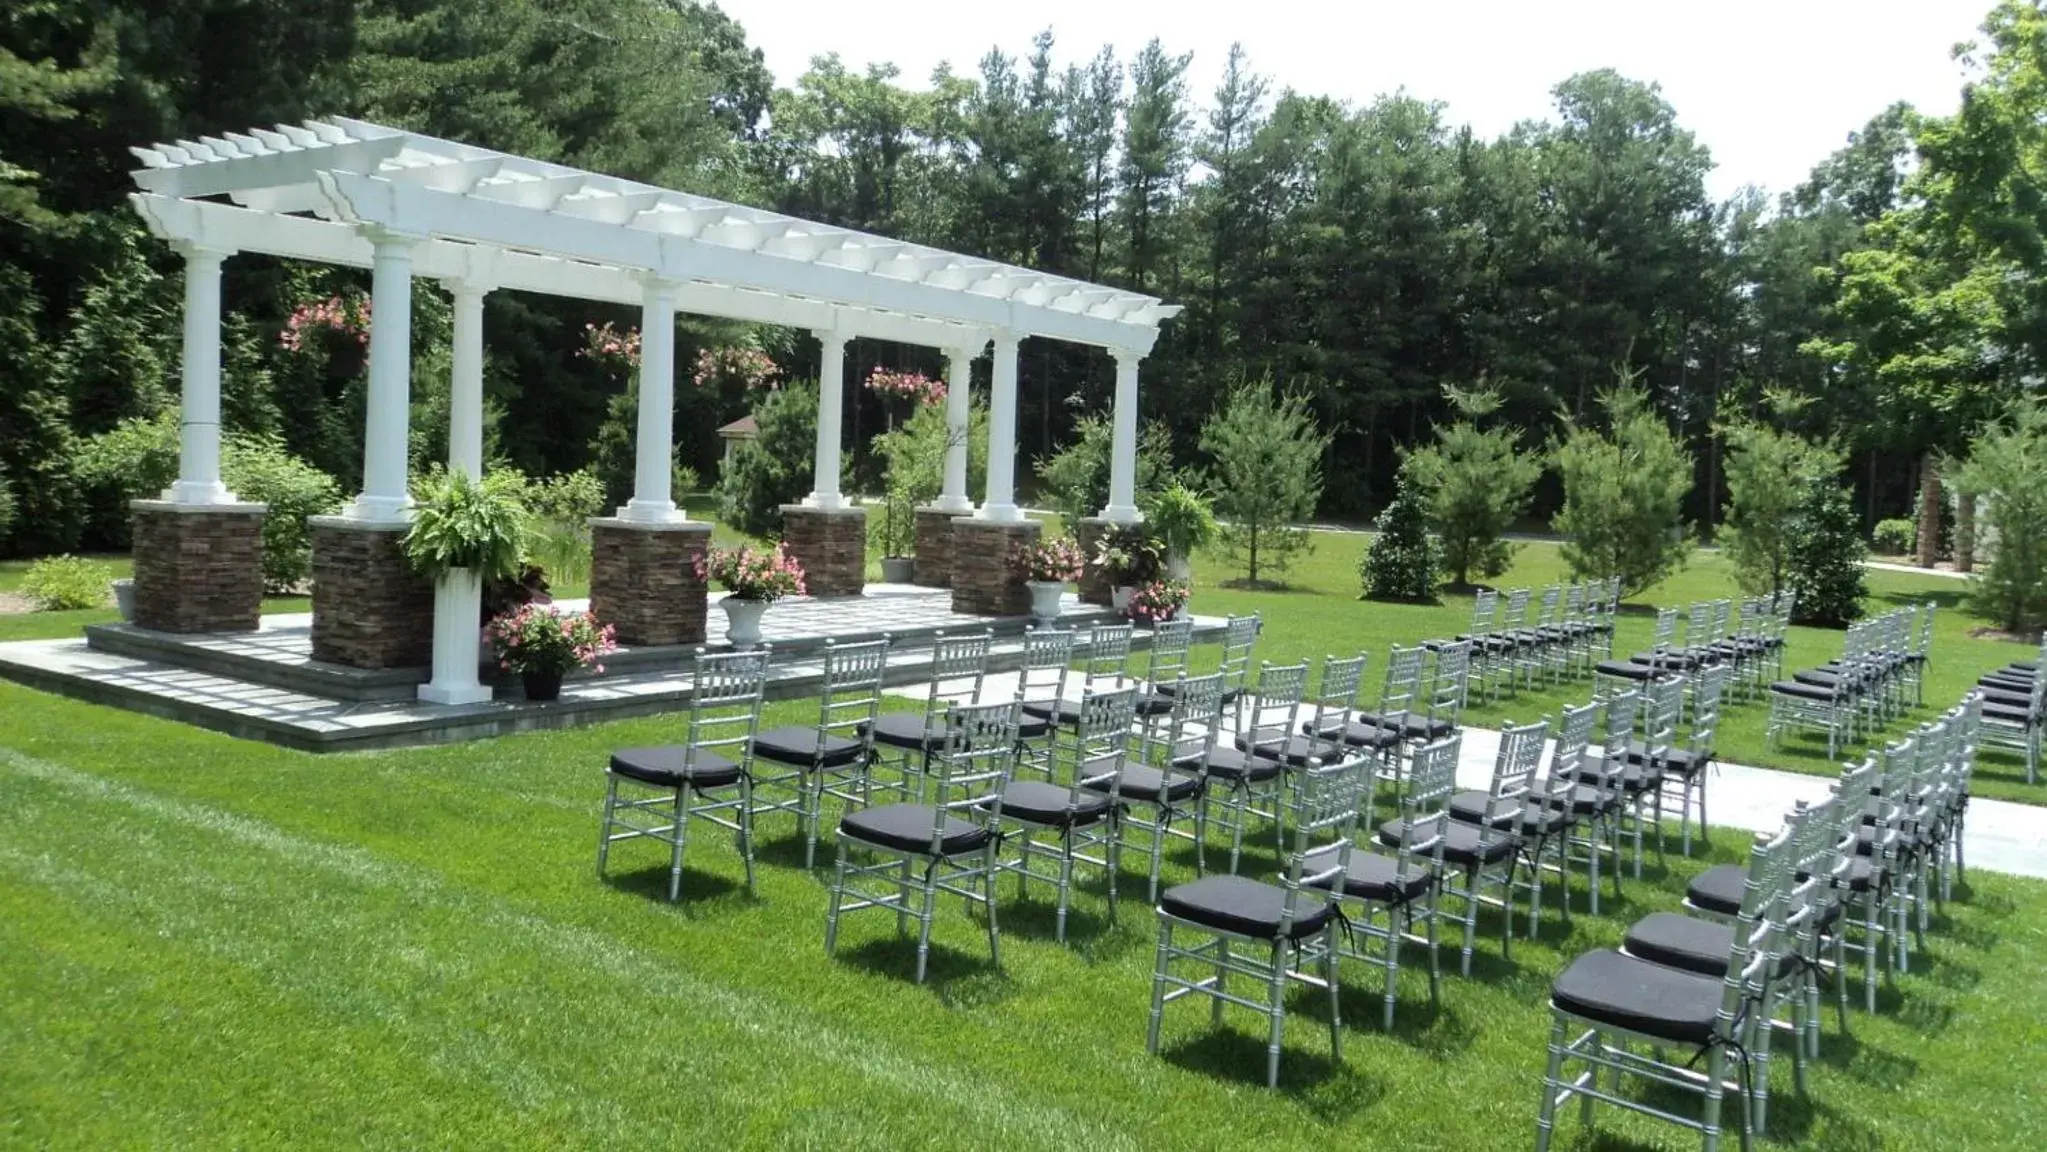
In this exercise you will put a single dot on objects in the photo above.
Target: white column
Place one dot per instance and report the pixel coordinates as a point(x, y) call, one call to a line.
point(1122, 507)
point(465, 389)
point(1000, 501)
point(654, 465)
point(199, 421)
point(458, 596)
point(831, 389)
point(384, 496)
point(958, 409)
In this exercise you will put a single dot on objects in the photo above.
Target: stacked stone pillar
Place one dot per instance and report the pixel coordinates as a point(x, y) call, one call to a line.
point(1094, 584)
point(370, 608)
point(988, 576)
point(645, 581)
point(934, 547)
point(831, 544)
point(198, 567)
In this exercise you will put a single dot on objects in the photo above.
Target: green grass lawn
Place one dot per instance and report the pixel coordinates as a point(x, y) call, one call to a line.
point(213, 943)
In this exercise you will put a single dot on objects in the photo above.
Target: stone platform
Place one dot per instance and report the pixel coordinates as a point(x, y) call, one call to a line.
point(266, 685)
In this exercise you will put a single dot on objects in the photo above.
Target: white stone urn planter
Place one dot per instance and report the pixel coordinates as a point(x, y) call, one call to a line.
point(743, 621)
point(898, 569)
point(1045, 599)
point(1119, 596)
point(1178, 566)
point(124, 600)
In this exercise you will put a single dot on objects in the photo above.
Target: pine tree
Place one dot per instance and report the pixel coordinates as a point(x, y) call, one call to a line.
point(1767, 469)
point(1267, 474)
point(1824, 565)
point(1476, 482)
point(2007, 469)
point(1624, 490)
point(1401, 563)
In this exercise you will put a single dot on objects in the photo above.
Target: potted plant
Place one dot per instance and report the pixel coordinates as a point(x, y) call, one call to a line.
point(1049, 566)
point(1129, 557)
point(543, 643)
point(467, 531)
point(1182, 520)
point(1157, 601)
point(898, 535)
point(756, 578)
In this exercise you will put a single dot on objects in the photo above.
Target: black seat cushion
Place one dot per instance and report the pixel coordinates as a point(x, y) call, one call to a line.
point(1624, 991)
point(1054, 711)
point(1536, 818)
point(1803, 691)
point(800, 746)
point(1718, 889)
point(1231, 765)
point(1680, 761)
point(907, 828)
point(2016, 701)
point(1244, 906)
point(1296, 751)
point(1358, 735)
point(1032, 727)
point(1374, 877)
point(1625, 669)
point(1052, 805)
point(2010, 715)
point(667, 765)
point(1143, 784)
point(1410, 725)
point(1463, 844)
point(1153, 702)
point(906, 730)
point(1693, 945)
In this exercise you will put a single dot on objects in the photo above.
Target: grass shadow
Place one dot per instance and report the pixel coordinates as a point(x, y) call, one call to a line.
point(1332, 1090)
point(956, 976)
point(1877, 1067)
point(700, 889)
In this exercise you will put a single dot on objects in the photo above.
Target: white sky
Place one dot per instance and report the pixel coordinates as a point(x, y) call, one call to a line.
point(1771, 86)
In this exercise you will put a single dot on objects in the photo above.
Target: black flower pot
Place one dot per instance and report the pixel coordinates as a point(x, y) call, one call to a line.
point(542, 685)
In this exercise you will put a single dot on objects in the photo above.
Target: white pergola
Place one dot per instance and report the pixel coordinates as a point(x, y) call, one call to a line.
point(345, 192)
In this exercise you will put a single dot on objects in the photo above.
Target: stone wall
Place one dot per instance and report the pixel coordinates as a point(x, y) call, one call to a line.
point(644, 581)
point(934, 548)
point(198, 568)
point(1094, 581)
point(370, 609)
point(831, 544)
point(987, 569)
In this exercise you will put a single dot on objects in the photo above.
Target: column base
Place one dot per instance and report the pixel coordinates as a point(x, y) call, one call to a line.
point(198, 567)
point(370, 609)
point(1094, 580)
point(831, 544)
point(645, 582)
point(987, 569)
point(934, 547)
point(463, 694)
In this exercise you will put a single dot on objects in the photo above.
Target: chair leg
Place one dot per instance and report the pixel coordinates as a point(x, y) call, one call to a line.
point(1158, 988)
point(1065, 888)
point(1435, 966)
point(604, 829)
point(745, 822)
point(924, 922)
point(1552, 1083)
point(831, 922)
point(1330, 960)
point(1222, 981)
point(676, 846)
point(1393, 931)
point(989, 871)
point(1760, 1082)
point(1470, 895)
point(1716, 1087)
point(1276, 1011)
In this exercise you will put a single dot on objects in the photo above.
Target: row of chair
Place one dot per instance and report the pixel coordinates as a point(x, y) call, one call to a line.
point(2015, 708)
point(1752, 645)
point(1847, 874)
point(1880, 673)
point(1572, 628)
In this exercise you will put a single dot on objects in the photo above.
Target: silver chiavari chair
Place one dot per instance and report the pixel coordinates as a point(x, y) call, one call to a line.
point(954, 839)
point(1047, 663)
point(959, 665)
point(1246, 783)
point(1479, 857)
point(830, 759)
point(1165, 663)
point(1153, 794)
point(1079, 815)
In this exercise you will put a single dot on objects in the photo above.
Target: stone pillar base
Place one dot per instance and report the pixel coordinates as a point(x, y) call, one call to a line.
point(934, 547)
point(987, 570)
point(370, 609)
point(644, 580)
point(1094, 584)
point(831, 544)
point(198, 567)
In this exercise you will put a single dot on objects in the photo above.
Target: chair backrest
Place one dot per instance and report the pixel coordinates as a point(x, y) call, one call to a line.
point(1108, 655)
point(1623, 710)
point(725, 703)
point(1760, 928)
point(1484, 606)
point(1546, 609)
point(1514, 771)
point(979, 756)
point(1240, 639)
point(1336, 692)
point(1574, 603)
point(1191, 729)
point(851, 696)
point(1170, 642)
point(1450, 681)
point(1325, 800)
point(1662, 709)
point(1709, 688)
point(1276, 705)
point(1567, 757)
point(1924, 642)
point(1401, 688)
point(959, 664)
point(1895, 765)
point(1098, 742)
point(1425, 804)
point(1047, 658)
point(1517, 610)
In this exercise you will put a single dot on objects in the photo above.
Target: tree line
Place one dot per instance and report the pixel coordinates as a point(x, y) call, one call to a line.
point(1363, 256)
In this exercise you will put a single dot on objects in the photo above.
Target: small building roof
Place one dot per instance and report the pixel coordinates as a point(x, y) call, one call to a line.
point(744, 428)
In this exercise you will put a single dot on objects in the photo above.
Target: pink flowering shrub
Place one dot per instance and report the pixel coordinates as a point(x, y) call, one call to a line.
point(751, 368)
point(1157, 601)
point(610, 347)
point(919, 387)
point(753, 573)
point(543, 638)
point(348, 315)
point(1050, 560)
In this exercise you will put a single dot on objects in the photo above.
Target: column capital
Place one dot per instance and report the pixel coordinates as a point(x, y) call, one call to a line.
point(832, 336)
point(384, 237)
point(461, 287)
point(1128, 357)
point(964, 354)
point(1005, 338)
point(654, 286)
point(197, 253)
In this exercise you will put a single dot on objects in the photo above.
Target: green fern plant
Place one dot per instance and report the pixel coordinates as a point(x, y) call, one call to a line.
point(461, 523)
